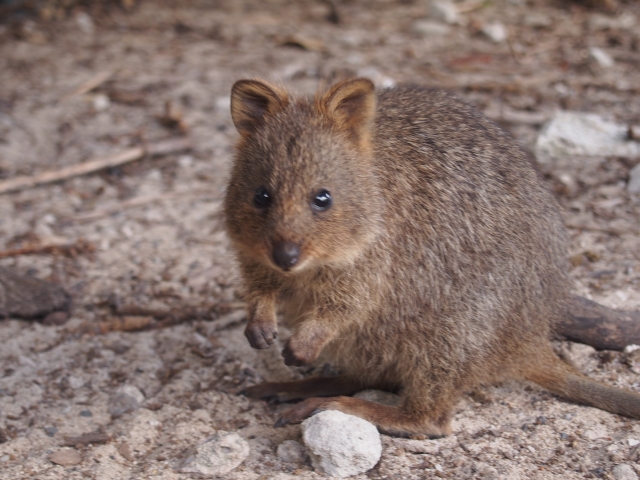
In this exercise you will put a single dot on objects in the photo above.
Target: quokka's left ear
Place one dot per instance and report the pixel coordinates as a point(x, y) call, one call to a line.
point(252, 101)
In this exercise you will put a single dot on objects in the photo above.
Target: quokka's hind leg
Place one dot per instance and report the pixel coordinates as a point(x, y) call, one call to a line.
point(307, 388)
point(404, 421)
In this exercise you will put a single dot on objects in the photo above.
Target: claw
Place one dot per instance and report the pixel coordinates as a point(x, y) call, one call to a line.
point(260, 335)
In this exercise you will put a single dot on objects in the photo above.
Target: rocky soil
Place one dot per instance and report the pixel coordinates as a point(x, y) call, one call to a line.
point(149, 364)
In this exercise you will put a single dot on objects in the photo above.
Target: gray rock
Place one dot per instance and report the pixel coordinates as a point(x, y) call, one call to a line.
point(291, 451)
point(601, 57)
point(66, 458)
point(429, 28)
point(634, 180)
point(341, 445)
point(624, 472)
point(217, 455)
point(127, 399)
point(495, 31)
point(444, 10)
point(537, 20)
point(598, 21)
point(586, 134)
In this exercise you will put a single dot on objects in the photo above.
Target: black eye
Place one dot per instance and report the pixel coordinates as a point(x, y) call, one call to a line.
point(322, 200)
point(261, 199)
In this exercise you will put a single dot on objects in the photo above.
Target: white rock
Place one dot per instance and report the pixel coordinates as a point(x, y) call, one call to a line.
point(633, 442)
point(429, 28)
point(631, 348)
point(444, 10)
point(495, 31)
point(101, 102)
point(624, 472)
point(132, 392)
point(597, 21)
point(587, 134)
point(85, 23)
point(291, 451)
point(341, 445)
point(634, 180)
point(601, 57)
point(217, 455)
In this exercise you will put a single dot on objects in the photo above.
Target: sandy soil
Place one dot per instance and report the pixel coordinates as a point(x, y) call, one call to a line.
point(158, 243)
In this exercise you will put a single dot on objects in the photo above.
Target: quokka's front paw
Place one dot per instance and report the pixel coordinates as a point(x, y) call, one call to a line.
point(302, 410)
point(261, 335)
point(295, 356)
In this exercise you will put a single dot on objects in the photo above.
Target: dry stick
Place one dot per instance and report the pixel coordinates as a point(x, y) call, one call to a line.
point(91, 84)
point(137, 202)
point(94, 165)
point(61, 248)
point(601, 327)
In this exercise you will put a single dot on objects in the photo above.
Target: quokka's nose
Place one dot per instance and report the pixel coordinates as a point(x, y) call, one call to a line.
point(286, 254)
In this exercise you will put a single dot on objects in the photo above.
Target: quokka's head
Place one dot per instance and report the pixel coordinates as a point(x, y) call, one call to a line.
point(303, 191)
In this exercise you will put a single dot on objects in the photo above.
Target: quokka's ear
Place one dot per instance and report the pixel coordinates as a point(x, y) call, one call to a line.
point(252, 101)
point(351, 104)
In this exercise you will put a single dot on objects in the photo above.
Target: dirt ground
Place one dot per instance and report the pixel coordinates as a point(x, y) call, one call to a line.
point(148, 234)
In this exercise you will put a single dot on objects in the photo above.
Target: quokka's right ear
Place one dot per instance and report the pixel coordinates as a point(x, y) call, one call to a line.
point(252, 101)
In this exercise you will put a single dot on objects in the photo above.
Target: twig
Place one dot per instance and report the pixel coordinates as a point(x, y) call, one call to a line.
point(472, 5)
point(94, 165)
point(91, 438)
point(132, 203)
point(596, 228)
point(65, 248)
point(91, 84)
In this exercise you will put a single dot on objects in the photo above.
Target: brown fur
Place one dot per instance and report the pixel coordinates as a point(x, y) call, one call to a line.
point(439, 266)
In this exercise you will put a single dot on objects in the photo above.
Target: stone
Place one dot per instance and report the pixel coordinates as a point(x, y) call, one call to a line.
point(495, 31)
point(577, 133)
point(601, 57)
point(127, 399)
point(429, 28)
point(341, 445)
point(291, 451)
point(633, 186)
point(66, 458)
point(624, 472)
point(217, 455)
point(444, 10)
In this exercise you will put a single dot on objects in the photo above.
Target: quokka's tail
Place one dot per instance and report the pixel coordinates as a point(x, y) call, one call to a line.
point(563, 380)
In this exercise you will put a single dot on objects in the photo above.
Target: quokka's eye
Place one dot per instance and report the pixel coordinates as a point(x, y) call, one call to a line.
point(322, 200)
point(261, 199)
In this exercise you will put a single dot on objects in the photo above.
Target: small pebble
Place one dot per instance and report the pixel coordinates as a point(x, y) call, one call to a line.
point(430, 28)
point(50, 431)
point(495, 31)
point(601, 57)
point(86, 413)
point(66, 458)
point(125, 401)
point(624, 472)
point(634, 182)
point(218, 455)
point(633, 442)
point(444, 10)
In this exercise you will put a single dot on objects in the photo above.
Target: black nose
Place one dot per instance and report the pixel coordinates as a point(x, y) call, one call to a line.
point(286, 254)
